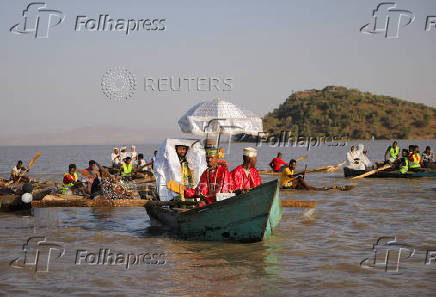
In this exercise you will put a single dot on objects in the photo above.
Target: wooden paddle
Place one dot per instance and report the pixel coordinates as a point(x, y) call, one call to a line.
point(31, 163)
point(373, 171)
point(296, 203)
point(301, 158)
point(334, 168)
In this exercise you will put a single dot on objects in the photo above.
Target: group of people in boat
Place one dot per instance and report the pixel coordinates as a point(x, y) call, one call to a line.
point(410, 160)
point(119, 157)
point(215, 181)
point(96, 178)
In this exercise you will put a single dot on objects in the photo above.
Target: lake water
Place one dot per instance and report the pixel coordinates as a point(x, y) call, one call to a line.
point(306, 256)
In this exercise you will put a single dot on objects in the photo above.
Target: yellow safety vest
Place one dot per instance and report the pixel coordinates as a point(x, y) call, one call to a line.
point(393, 153)
point(404, 167)
point(65, 186)
point(416, 163)
point(127, 170)
point(285, 180)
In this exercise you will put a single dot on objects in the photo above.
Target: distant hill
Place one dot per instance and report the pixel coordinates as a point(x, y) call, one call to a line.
point(338, 111)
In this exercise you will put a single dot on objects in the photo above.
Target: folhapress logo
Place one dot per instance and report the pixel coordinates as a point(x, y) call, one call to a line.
point(37, 19)
point(38, 253)
point(388, 20)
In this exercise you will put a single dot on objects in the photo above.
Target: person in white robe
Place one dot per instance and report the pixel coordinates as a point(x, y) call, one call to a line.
point(354, 161)
point(167, 165)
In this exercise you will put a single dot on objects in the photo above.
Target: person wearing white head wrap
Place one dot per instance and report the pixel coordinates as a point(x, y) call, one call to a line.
point(246, 176)
point(123, 154)
point(354, 161)
point(115, 157)
point(363, 157)
point(134, 155)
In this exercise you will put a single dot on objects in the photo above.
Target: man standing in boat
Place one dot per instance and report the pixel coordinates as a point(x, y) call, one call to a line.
point(246, 176)
point(215, 179)
point(277, 164)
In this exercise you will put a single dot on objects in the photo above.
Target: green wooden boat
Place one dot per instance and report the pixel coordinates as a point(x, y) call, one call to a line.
point(249, 217)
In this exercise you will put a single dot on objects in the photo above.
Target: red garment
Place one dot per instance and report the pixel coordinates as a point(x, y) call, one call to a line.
point(68, 178)
point(277, 163)
point(212, 182)
point(242, 181)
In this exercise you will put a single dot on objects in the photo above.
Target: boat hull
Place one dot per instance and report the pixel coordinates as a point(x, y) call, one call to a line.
point(249, 217)
point(423, 172)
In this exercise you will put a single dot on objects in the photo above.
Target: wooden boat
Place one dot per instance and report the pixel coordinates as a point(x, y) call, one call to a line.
point(13, 202)
point(423, 172)
point(248, 217)
point(336, 188)
point(61, 200)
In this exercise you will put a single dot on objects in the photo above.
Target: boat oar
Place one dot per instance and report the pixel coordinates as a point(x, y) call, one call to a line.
point(296, 203)
point(31, 163)
point(301, 158)
point(373, 171)
point(334, 168)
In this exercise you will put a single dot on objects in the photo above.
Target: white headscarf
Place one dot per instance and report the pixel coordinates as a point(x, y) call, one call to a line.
point(167, 164)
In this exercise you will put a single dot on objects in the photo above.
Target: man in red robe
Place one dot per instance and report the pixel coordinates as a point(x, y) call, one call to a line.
point(245, 176)
point(215, 179)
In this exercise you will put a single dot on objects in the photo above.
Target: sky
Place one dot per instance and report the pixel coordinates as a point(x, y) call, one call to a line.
point(266, 48)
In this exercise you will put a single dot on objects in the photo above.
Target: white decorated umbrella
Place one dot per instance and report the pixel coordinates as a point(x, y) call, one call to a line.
point(219, 117)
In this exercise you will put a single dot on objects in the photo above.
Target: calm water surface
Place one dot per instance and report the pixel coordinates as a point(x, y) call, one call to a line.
point(315, 255)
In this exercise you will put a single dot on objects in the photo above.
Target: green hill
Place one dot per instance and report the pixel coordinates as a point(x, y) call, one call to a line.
point(338, 111)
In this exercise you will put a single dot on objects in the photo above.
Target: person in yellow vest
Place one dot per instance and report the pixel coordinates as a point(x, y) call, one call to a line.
point(404, 165)
point(392, 153)
point(70, 182)
point(290, 179)
point(127, 168)
point(415, 158)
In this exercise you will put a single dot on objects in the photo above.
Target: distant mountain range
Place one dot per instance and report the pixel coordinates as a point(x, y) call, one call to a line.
point(338, 111)
point(98, 134)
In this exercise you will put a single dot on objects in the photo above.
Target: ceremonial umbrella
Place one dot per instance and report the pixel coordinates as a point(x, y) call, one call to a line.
point(218, 117)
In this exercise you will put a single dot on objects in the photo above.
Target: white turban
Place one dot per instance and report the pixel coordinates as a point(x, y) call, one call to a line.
point(250, 152)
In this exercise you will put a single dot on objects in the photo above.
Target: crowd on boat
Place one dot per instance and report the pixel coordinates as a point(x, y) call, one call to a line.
point(185, 171)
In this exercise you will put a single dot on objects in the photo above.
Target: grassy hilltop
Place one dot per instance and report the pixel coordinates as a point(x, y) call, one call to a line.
point(338, 111)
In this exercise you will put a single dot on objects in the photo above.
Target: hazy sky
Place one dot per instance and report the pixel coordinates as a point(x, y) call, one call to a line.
point(268, 48)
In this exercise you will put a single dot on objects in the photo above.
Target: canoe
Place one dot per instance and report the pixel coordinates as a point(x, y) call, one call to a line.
point(269, 172)
point(423, 172)
point(337, 188)
point(249, 217)
point(13, 202)
point(61, 200)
